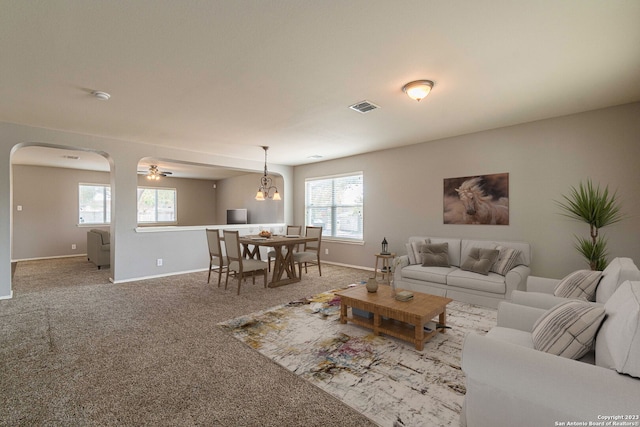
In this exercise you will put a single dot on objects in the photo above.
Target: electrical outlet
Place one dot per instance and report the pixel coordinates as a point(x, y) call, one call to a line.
point(326, 251)
point(159, 262)
point(73, 246)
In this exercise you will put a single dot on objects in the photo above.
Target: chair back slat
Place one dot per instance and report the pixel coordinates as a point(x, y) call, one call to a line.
point(213, 240)
point(232, 243)
point(313, 232)
point(294, 229)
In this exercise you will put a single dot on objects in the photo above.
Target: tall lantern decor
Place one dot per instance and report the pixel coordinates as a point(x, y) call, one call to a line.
point(385, 247)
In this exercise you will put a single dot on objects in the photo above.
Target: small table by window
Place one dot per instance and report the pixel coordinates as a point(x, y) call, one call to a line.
point(385, 270)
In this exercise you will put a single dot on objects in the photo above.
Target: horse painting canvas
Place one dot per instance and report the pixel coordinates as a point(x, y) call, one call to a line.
point(482, 199)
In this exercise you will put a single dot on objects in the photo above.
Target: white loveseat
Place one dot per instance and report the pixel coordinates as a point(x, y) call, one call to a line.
point(511, 383)
point(461, 285)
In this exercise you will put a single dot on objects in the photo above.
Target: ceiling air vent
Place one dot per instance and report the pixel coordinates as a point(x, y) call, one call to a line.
point(364, 107)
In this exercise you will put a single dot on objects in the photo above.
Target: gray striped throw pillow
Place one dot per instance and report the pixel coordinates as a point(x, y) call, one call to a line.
point(579, 284)
point(506, 260)
point(568, 329)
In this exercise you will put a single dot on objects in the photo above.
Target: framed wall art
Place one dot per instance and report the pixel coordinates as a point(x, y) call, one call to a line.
point(482, 199)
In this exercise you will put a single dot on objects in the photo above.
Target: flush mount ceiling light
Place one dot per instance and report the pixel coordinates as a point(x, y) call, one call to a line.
point(418, 89)
point(264, 191)
point(102, 96)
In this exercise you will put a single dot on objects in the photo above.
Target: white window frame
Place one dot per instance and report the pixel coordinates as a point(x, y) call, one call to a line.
point(156, 189)
point(332, 233)
point(106, 205)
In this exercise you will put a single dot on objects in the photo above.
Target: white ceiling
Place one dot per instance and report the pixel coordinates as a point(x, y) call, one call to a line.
point(226, 77)
point(75, 159)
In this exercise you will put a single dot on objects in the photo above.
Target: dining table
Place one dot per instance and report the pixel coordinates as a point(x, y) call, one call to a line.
point(283, 246)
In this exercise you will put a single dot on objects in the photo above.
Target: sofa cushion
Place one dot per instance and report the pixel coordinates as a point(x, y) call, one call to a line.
point(618, 271)
point(568, 329)
point(492, 282)
point(435, 255)
point(513, 336)
point(618, 341)
point(428, 274)
point(579, 284)
point(480, 260)
point(506, 260)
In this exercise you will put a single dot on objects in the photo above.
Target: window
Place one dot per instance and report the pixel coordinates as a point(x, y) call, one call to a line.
point(336, 204)
point(94, 204)
point(156, 205)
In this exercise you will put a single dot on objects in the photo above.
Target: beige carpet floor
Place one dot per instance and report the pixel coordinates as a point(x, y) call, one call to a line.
point(77, 350)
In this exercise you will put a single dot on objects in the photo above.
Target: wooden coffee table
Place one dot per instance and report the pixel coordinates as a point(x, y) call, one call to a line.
point(401, 319)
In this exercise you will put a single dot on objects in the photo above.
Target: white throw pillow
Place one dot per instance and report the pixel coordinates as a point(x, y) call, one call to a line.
point(413, 250)
point(568, 329)
point(579, 284)
point(410, 254)
point(618, 341)
point(506, 260)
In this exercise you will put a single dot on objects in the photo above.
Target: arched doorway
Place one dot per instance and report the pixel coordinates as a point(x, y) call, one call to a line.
point(47, 221)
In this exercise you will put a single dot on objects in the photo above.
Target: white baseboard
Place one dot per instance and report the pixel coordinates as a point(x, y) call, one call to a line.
point(7, 296)
point(359, 267)
point(155, 276)
point(177, 273)
point(48, 257)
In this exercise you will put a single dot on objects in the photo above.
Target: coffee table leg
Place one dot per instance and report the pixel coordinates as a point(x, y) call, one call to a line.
point(377, 321)
point(419, 335)
point(343, 311)
point(443, 321)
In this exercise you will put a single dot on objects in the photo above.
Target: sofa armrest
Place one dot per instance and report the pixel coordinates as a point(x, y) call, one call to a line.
point(508, 385)
point(516, 278)
point(536, 299)
point(517, 316)
point(402, 261)
point(541, 284)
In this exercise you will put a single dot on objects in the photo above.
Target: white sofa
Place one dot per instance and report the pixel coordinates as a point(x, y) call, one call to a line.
point(510, 383)
point(460, 285)
point(540, 290)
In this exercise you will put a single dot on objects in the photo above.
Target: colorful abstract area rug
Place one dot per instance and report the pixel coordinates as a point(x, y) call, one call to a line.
point(384, 378)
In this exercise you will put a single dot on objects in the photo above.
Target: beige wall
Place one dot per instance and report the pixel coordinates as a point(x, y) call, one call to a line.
point(404, 186)
point(47, 225)
point(196, 199)
point(239, 193)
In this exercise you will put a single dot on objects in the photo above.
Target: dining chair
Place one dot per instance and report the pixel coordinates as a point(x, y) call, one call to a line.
point(310, 253)
point(217, 260)
point(291, 230)
point(238, 265)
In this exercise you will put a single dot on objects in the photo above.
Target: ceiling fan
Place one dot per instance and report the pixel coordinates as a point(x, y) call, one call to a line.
point(154, 173)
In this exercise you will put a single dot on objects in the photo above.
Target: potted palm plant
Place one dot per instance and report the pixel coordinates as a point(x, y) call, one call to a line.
point(598, 208)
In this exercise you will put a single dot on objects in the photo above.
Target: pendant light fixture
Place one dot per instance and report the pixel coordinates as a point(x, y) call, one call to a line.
point(264, 191)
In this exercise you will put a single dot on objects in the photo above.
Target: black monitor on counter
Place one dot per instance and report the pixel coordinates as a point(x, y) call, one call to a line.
point(236, 216)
